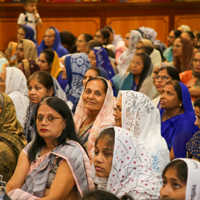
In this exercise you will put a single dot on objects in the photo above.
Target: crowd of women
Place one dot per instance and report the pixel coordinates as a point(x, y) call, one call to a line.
point(100, 117)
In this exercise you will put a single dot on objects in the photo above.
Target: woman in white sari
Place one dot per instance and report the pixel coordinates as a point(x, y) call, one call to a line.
point(13, 83)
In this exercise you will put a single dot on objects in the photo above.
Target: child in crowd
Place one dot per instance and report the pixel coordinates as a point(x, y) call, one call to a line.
point(30, 17)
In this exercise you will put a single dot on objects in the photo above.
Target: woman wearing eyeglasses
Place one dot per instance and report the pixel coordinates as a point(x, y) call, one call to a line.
point(54, 166)
point(191, 78)
point(52, 41)
point(82, 41)
point(39, 84)
point(164, 75)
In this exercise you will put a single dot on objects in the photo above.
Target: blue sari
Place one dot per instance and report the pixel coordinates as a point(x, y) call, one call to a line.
point(103, 61)
point(76, 66)
point(57, 47)
point(179, 129)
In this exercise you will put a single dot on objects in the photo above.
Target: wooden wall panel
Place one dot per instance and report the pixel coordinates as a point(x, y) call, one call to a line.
point(122, 25)
point(77, 26)
point(8, 32)
point(74, 25)
point(191, 20)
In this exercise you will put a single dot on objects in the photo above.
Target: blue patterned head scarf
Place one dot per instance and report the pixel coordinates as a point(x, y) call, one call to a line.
point(29, 33)
point(76, 66)
point(103, 61)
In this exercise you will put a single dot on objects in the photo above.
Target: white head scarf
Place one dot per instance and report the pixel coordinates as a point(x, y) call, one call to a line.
point(16, 89)
point(193, 177)
point(126, 57)
point(132, 169)
point(142, 119)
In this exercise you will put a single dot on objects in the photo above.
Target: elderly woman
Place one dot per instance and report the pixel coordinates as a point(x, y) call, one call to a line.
point(75, 67)
point(164, 75)
point(54, 166)
point(191, 78)
point(183, 54)
point(12, 139)
point(13, 83)
point(28, 67)
point(26, 49)
point(94, 111)
point(178, 118)
point(52, 41)
point(98, 57)
point(39, 84)
point(131, 40)
point(139, 77)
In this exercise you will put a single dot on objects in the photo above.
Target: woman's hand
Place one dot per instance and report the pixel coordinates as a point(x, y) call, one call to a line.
point(62, 184)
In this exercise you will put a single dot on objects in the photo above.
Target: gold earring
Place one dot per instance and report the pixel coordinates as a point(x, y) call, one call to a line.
point(180, 104)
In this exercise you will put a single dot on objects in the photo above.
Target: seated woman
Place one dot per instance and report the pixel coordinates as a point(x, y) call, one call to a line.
point(10, 57)
point(178, 118)
point(102, 35)
point(82, 41)
point(92, 72)
point(123, 165)
point(54, 166)
point(26, 32)
point(28, 67)
point(154, 55)
point(13, 83)
point(52, 41)
point(12, 138)
point(75, 67)
point(193, 150)
point(94, 111)
point(191, 78)
point(183, 54)
point(98, 57)
point(68, 40)
point(26, 49)
point(136, 113)
point(141, 69)
point(181, 180)
point(164, 75)
point(131, 40)
point(48, 61)
point(39, 84)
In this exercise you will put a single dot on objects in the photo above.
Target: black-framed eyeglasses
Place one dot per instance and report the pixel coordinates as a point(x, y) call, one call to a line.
point(163, 78)
point(49, 119)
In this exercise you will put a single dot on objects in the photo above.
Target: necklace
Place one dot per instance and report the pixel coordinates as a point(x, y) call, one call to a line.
point(83, 125)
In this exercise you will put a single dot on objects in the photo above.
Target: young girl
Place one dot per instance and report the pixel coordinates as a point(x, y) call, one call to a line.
point(181, 180)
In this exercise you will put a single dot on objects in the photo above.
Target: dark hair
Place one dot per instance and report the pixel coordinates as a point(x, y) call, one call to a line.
point(177, 88)
point(197, 103)
point(110, 132)
point(191, 35)
point(68, 132)
point(147, 65)
point(126, 197)
point(105, 34)
point(69, 39)
point(177, 33)
point(26, 2)
point(101, 79)
point(43, 78)
point(147, 49)
point(99, 195)
point(96, 69)
point(173, 73)
point(109, 28)
point(23, 27)
point(49, 55)
point(187, 55)
point(93, 43)
point(181, 170)
point(87, 37)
